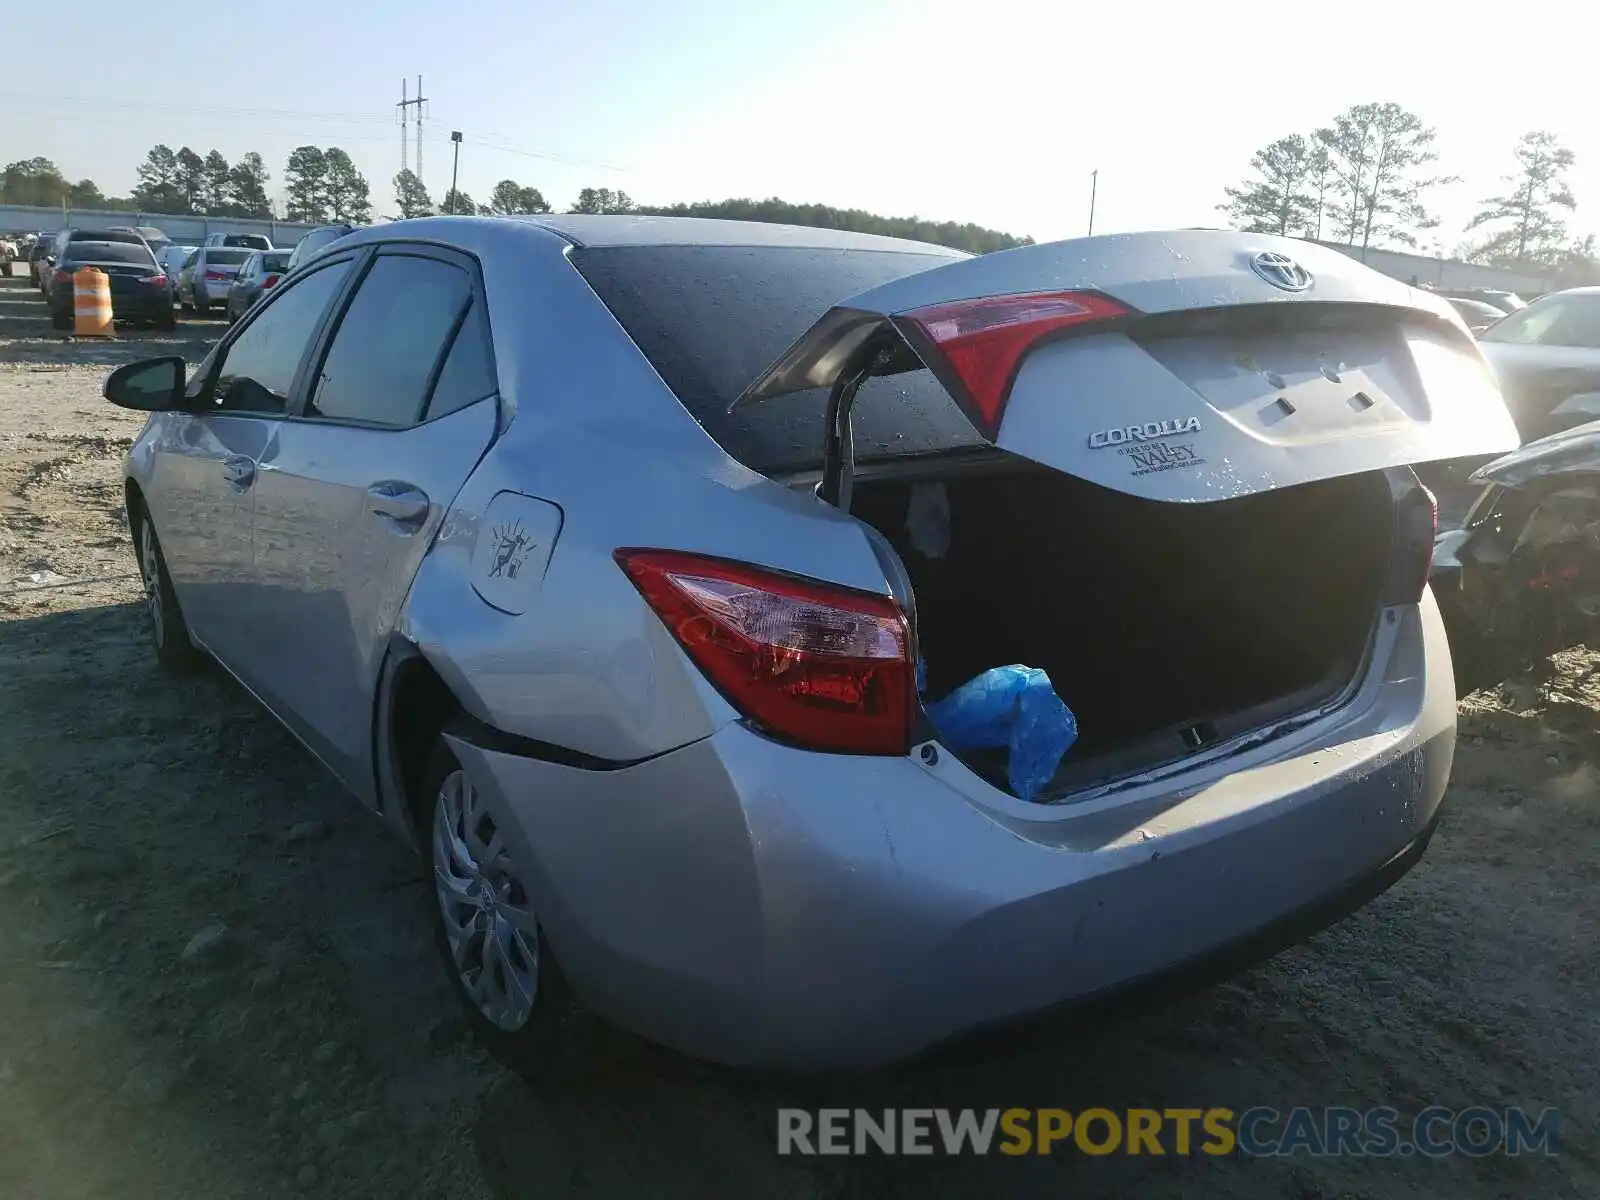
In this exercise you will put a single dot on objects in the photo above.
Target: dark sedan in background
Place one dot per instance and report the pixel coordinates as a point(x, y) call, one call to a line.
point(139, 289)
point(260, 273)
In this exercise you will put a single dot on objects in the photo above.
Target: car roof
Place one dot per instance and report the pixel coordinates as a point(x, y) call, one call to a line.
point(628, 230)
point(584, 230)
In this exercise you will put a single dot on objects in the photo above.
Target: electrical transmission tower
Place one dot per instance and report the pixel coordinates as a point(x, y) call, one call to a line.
point(412, 108)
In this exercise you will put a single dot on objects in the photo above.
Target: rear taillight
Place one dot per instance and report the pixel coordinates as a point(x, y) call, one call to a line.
point(215, 276)
point(154, 280)
point(1416, 527)
point(269, 281)
point(63, 274)
point(983, 341)
point(820, 666)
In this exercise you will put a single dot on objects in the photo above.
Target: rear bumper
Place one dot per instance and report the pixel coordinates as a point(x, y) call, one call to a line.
point(123, 308)
point(756, 904)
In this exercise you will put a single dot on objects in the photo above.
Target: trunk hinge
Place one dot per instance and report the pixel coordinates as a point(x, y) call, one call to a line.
point(838, 447)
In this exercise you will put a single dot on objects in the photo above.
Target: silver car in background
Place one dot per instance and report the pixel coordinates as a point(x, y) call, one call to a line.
point(598, 556)
point(172, 260)
point(206, 276)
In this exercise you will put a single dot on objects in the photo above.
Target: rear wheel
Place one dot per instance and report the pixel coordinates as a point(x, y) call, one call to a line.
point(174, 651)
point(517, 1001)
point(61, 320)
point(186, 306)
point(201, 307)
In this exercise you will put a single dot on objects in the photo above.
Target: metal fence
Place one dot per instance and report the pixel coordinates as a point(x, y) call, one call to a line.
point(185, 230)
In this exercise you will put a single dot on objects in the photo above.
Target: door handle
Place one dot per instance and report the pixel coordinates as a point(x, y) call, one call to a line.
point(239, 471)
point(399, 502)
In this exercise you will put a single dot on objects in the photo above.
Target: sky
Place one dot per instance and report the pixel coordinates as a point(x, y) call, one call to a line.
point(995, 112)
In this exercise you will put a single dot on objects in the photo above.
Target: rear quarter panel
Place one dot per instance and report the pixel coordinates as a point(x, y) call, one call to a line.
point(592, 430)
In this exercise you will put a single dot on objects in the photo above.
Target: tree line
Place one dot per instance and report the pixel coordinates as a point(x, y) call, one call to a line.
point(1364, 180)
point(322, 185)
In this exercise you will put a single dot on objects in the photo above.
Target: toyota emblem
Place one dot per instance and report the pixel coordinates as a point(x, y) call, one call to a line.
point(1281, 271)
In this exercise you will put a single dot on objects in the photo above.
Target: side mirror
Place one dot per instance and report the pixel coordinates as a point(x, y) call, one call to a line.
point(149, 385)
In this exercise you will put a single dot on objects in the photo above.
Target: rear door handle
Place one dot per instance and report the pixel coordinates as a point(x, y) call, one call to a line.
point(400, 502)
point(239, 470)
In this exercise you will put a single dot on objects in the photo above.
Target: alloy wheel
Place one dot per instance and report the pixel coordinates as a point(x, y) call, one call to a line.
point(150, 568)
point(488, 915)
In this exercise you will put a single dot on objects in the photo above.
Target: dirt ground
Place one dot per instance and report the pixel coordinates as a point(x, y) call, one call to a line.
point(215, 977)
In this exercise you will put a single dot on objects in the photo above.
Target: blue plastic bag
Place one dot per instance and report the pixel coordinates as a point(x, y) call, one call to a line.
point(1014, 707)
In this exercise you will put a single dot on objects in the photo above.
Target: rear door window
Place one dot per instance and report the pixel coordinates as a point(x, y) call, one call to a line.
point(712, 318)
point(468, 372)
point(389, 342)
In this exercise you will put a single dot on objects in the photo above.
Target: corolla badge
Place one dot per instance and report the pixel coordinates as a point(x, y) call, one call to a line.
point(1281, 271)
point(1147, 432)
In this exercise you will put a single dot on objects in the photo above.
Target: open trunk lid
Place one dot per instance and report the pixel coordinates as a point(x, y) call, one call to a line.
point(1185, 366)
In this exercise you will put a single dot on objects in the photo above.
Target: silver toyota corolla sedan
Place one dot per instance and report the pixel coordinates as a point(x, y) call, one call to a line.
point(619, 563)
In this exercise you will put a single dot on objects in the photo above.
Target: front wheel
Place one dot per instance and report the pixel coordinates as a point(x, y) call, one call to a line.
point(495, 952)
point(170, 637)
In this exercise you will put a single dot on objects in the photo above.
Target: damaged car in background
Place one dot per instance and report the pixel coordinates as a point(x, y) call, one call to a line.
point(803, 647)
point(1520, 579)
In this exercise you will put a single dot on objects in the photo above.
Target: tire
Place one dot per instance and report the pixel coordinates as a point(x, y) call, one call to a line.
point(547, 1038)
point(186, 306)
point(168, 633)
point(167, 322)
point(202, 308)
point(61, 320)
point(6, 270)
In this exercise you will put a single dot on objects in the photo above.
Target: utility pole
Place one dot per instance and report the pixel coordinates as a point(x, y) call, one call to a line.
point(409, 106)
point(1094, 187)
point(455, 164)
point(405, 129)
point(420, 103)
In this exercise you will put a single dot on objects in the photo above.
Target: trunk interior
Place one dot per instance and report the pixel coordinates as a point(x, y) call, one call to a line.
point(1165, 628)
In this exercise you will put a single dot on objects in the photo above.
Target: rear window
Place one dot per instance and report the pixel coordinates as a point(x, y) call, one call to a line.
point(254, 240)
point(712, 318)
point(278, 260)
point(227, 258)
point(104, 235)
point(109, 252)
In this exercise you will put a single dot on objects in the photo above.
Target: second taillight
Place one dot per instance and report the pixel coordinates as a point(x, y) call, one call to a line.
point(822, 667)
point(983, 341)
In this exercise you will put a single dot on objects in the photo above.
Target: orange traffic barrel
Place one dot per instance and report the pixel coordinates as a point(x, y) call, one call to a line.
point(91, 297)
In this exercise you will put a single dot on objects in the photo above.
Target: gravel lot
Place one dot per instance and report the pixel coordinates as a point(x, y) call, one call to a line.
point(217, 980)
